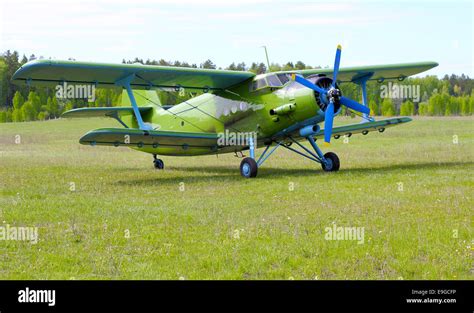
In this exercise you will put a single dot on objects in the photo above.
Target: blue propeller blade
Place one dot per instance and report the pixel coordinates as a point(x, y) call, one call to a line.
point(303, 81)
point(328, 119)
point(337, 61)
point(354, 105)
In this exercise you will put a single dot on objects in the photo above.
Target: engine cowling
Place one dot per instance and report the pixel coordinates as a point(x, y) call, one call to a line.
point(322, 99)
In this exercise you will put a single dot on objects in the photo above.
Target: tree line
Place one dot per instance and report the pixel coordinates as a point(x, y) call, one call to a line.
point(450, 96)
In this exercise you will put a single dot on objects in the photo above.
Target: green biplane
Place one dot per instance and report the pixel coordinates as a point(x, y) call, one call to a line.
point(235, 110)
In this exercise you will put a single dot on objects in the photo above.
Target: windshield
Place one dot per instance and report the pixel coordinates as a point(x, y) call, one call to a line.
point(272, 80)
point(283, 78)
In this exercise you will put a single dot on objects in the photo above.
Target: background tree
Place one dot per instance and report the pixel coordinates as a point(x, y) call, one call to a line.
point(388, 109)
point(407, 108)
point(300, 65)
point(374, 108)
point(241, 67)
point(450, 95)
point(275, 67)
point(232, 67)
point(3, 116)
point(18, 101)
point(29, 112)
point(423, 109)
point(208, 64)
point(288, 66)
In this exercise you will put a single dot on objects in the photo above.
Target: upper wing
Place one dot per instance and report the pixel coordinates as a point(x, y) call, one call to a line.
point(50, 73)
point(378, 72)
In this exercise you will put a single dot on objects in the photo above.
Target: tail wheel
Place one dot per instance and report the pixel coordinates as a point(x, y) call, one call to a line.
point(332, 162)
point(159, 164)
point(248, 168)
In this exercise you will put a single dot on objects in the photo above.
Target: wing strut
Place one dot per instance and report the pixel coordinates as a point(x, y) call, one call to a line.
point(125, 83)
point(362, 82)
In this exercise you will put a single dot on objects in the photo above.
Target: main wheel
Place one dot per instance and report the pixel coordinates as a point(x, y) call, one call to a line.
point(248, 168)
point(159, 164)
point(332, 162)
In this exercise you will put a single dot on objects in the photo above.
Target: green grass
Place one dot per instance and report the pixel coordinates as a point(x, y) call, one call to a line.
point(223, 226)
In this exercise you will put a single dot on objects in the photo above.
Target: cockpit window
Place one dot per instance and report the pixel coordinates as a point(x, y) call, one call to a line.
point(283, 78)
point(259, 83)
point(273, 81)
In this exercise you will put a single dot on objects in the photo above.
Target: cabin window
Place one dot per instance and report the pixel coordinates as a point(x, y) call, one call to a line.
point(273, 81)
point(259, 83)
point(283, 78)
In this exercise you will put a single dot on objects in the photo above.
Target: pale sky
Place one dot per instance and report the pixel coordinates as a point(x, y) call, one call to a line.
point(371, 32)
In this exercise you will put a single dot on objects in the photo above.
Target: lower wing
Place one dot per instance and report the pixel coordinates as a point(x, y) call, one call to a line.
point(349, 130)
point(364, 128)
point(153, 138)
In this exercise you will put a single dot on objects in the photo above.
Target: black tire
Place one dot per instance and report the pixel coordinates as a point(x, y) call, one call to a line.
point(159, 164)
point(333, 162)
point(248, 168)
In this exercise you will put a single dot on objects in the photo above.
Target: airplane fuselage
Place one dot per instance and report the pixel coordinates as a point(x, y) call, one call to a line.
point(242, 109)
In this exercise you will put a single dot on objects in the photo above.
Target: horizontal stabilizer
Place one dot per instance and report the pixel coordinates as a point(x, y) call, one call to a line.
point(103, 112)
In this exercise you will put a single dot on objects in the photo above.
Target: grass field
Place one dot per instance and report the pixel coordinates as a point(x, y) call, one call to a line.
point(105, 213)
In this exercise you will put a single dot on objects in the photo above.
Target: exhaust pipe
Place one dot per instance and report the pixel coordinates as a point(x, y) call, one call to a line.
point(310, 130)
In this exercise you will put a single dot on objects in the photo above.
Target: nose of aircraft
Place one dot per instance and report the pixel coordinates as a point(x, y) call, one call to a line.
point(332, 97)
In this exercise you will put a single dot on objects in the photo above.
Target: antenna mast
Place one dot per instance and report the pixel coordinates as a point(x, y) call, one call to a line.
point(266, 55)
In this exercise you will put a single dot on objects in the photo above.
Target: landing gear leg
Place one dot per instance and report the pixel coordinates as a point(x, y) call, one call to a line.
point(248, 166)
point(158, 163)
point(328, 161)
